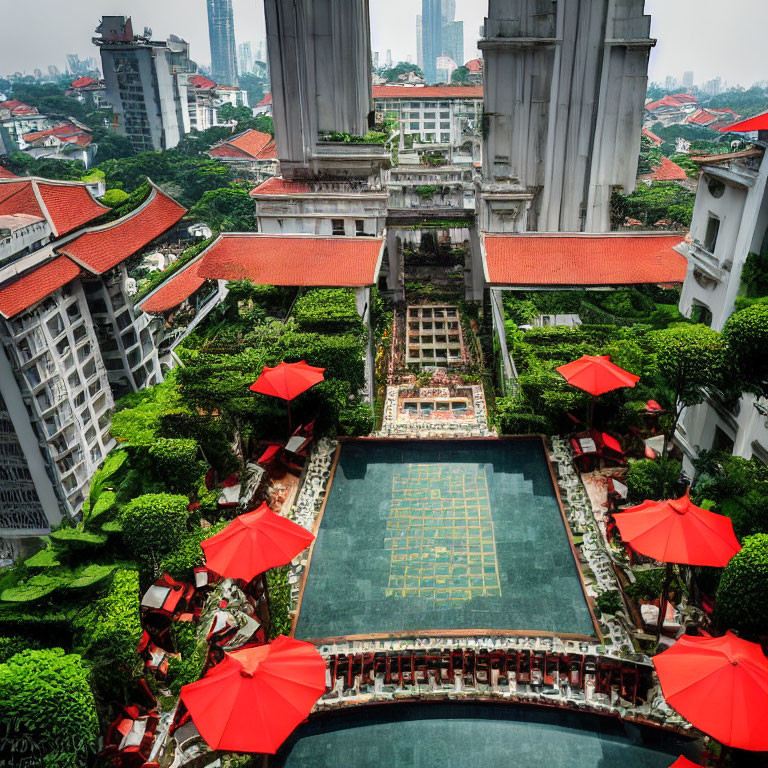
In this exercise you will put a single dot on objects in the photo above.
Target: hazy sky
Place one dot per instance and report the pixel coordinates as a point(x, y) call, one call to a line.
point(709, 37)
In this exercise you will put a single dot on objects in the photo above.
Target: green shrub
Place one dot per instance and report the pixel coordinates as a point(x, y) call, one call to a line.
point(647, 584)
point(746, 337)
point(47, 702)
point(137, 415)
point(279, 601)
point(153, 524)
point(610, 601)
point(175, 462)
point(10, 645)
point(653, 479)
point(193, 650)
point(113, 197)
point(328, 310)
point(107, 629)
point(78, 538)
point(741, 602)
point(188, 554)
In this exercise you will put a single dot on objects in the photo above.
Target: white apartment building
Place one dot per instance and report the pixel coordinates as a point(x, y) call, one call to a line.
point(205, 99)
point(70, 341)
point(730, 221)
point(445, 116)
point(146, 83)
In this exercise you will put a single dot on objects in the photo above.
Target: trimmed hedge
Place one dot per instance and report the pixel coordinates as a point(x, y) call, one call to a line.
point(741, 602)
point(328, 310)
point(175, 461)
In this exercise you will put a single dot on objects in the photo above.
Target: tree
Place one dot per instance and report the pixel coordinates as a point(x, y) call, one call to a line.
point(689, 358)
point(393, 74)
point(649, 204)
point(228, 209)
point(650, 156)
point(227, 113)
point(175, 461)
point(460, 75)
point(746, 337)
point(741, 602)
point(47, 705)
point(153, 524)
point(254, 86)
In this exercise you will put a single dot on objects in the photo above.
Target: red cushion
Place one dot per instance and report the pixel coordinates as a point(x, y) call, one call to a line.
point(269, 454)
point(611, 442)
point(652, 405)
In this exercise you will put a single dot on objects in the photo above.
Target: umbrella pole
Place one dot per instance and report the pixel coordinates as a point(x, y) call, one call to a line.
point(591, 419)
point(290, 424)
point(663, 601)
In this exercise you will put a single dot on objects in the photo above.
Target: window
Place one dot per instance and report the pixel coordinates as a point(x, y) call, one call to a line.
point(701, 314)
point(429, 115)
point(722, 442)
point(429, 125)
point(413, 126)
point(445, 126)
point(713, 229)
point(445, 138)
point(445, 115)
point(359, 227)
point(337, 226)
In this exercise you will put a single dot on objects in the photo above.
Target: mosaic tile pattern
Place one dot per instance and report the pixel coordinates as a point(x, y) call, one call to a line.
point(440, 535)
point(348, 590)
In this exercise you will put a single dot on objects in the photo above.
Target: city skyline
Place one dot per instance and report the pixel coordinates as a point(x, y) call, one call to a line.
point(684, 30)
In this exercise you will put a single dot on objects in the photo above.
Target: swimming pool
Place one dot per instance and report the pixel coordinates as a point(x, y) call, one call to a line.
point(459, 735)
point(442, 535)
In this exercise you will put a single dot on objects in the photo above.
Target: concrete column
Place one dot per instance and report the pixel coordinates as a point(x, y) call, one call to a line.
point(395, 257)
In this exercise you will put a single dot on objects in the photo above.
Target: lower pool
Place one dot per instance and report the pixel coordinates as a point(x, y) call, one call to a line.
point(458, 735)
point(442, 535)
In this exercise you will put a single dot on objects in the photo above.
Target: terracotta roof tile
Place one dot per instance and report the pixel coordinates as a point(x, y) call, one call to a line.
point(82, 82)
point(474, 65)
point(69, 205)
point(277, 185)
point(265, 101)
point(36, 284)
point(228, 151)
point(6, 174)
point(250, 144)
point(652, 136)
point(201, 81)
point(103, 248)
point(428, 92)
point(582, 260)
point(175, 291)
point(668, 170)
point(295, 260)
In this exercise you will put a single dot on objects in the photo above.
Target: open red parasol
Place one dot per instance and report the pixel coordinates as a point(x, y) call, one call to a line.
point(677, 531)
point(720, 685)
point(255, 697)
point(596, 374)
point(253, 543)
point(684, 762)
point(287, 380)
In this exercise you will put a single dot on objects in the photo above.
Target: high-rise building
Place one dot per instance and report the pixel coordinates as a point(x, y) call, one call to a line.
point(713, 87)
point(245, 58)
point(221, 33)
point(419, 44)
point(688, 79)
point(146, 83)
point(432, 37)
point(388, 58)
point(670, 82)
point(453, 33)
point(53, 70)
point(375, 59)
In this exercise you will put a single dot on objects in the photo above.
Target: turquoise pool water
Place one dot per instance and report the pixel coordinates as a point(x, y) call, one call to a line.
point(457, 735)
point(442, 535)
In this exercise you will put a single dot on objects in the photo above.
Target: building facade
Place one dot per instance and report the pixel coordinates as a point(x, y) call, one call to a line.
point(432, 37)
point(549, 163)
point(70, 341)
point(730, 221)
point(221, 33)
point(146, 84)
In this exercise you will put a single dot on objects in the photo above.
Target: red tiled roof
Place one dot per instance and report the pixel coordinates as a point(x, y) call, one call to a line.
point(103, 248)
point(175, 291)
point(201, 81)
point(6, 174)
point(35, 285)
point(582, 260)
point(756, 123)
point(265, 101)
point(82, 82)
point(295, 260)
point(668, 170)
point(277, 185)
point(701, 117)
point(428, 92)
point(652, 136)
point(66, 132)
point(248, 145)
point(66, 205)
point(684, 98)
point(671, 101)
point(18, 108)
point(474, 65)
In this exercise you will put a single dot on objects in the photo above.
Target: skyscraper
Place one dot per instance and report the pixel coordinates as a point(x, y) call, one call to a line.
point(245, 58)
point(453, 33)
point(432, 37)
point(688, 79)
point(221, 32)
point(419, 44)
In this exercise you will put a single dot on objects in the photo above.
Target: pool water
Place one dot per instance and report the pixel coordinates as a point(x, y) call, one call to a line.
point(459, 735)
point(440, 535)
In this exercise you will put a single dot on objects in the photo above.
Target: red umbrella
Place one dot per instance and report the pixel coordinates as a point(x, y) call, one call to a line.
point(287, 380)
point(684, 762)
point(720, 685)
point(253, 543)
point(255, 697)
point(756, 123)
point(596, 374)
point(677, 531)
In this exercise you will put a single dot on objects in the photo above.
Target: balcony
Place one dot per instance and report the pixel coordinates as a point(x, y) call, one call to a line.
point(709, 267)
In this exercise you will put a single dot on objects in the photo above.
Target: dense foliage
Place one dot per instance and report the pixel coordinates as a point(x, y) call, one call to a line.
point(177, 461)
point(742, 597)
point(653, 479)
point(227, 208)
point(48, 708)
point(661, 200)
point(746, 334)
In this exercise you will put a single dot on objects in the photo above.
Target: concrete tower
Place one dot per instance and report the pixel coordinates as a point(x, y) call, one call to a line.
point(432, 36)
point(564, 93)
point(221, 32)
